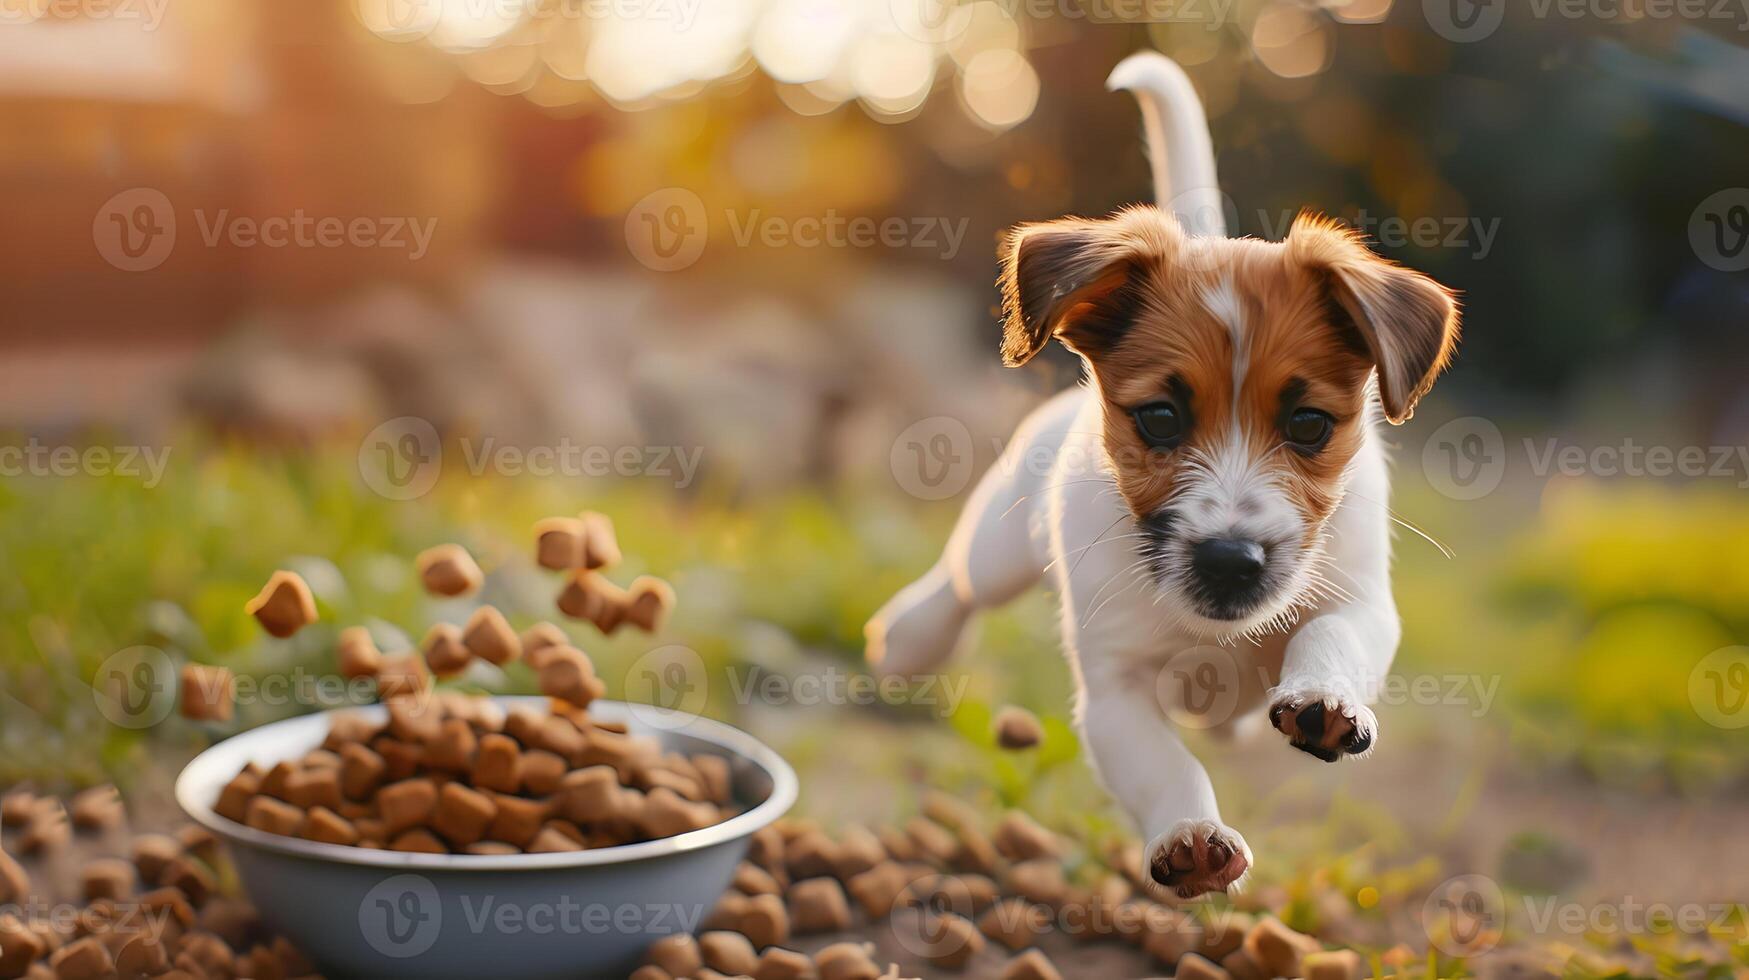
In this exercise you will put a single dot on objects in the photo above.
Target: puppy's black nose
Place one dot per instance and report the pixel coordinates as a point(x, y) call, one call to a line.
point(1228, 566)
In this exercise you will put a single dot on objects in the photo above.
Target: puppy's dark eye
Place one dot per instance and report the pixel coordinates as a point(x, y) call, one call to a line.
point(1161, 425)
point(1309, 428)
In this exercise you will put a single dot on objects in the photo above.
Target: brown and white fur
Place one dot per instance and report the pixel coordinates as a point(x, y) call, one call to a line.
point(1238, 336)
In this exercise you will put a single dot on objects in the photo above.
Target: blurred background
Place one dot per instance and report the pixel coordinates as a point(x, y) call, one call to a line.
point(320, 284)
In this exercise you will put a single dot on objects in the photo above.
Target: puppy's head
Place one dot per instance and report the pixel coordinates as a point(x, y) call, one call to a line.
point(1238, 380)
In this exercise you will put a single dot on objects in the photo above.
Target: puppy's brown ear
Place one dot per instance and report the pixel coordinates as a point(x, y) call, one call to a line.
point(1408, 322)
point(1076, 278)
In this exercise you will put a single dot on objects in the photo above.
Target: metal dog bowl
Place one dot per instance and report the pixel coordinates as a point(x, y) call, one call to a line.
point(361, 912)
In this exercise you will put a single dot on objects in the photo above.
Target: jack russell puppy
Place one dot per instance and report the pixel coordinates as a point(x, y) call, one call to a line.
point(1216, 489)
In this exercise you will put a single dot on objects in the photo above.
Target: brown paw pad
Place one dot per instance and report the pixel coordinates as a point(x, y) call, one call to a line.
point(1319, 731)
point(1202, 864)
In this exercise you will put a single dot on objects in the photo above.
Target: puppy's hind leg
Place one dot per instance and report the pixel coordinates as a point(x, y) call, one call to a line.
point(988, 561)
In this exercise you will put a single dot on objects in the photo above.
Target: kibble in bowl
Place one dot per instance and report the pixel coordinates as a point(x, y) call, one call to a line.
point(384, 842)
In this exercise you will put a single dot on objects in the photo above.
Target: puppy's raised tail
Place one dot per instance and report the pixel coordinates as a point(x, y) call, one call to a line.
point(1179, 148)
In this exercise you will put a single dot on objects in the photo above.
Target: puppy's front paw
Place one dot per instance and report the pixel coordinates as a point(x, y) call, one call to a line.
point(1328, 726)
point(1196, 857)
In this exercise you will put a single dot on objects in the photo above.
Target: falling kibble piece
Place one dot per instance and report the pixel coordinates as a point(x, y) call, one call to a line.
point(403, 675)
point(569, 676)
point(1034, 965)
point(358, 653)
point(538, 639)
point(1017, 728)
point(591, 597)
point(1342, 964)
point(284, 605)
point(651, 599)
point(445, 653)
point(488, 636)
point(558, 543)
point(1277, 949)
point(206, 692)
point(448, 570)
point(600, 544)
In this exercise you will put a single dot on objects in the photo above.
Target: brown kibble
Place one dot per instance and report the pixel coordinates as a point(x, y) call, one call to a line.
point(448, 570)
point(209, 953)
point(765, 921)
point(1169, 937)
point(274, 781)
point(551, 841)
point(539, 638)
point(19, 945)
point(600, 543)
point(818, 905)
point(1020, 838)
point(858, 850)
point(452, 748)
point(409, 803)
point(497, 764)
point(401, 758)
point(358, 653)
point(418, 841)
point(569, 676)
point(1276, 948)
point(314, 787)
point(558, 543)
point(488, 636)
point(98, 808)
point(191, 878)
point(650, 971)
point(877, 889)
point(16, 807)
point(84, 959)
point(651, 599)
point(1017, 728)
point(199, 841)
point(727, 952)
point(934, 843)
point(463, 814)
point(361, 771)
point(1039, 880)
point(751, 879)
point(1033, 965)
point(284, 605)
point(678, 954)
point(143, 955)
point(811, 854)
point(592, 597)
point(327, 827)
point(1195, 966)
point(152, 853)
point(588, 795)
point(666, 814)
point(110, 878)
point(207, 692)
point(1224, 932)
point(975, 852)
point(847, 961)
point(1240, 966)
point(1341, 964)
point(273, 816)
point(445, 653)
point(403, 675)
point(47, 830)
point(718, 780)
point(14, 881)
point(541, 772)
point(1014, 922)
point(952, 940)
point(518, 821)
point(777, 963)
point(491, 848)
point(559, 736)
